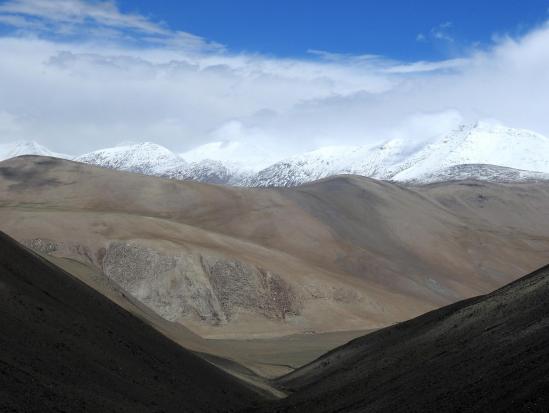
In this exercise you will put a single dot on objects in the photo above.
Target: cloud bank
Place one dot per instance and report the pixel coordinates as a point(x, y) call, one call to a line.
point(77, 76)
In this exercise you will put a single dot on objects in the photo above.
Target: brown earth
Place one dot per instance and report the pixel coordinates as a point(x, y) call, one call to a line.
point(341, 254)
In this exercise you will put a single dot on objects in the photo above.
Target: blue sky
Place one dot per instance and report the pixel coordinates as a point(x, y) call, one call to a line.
point(390, 27)
point(284, 76)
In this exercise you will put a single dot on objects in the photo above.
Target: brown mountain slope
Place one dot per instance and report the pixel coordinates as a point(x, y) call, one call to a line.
point(65, 347)
point(346, 253)
point(487, 353)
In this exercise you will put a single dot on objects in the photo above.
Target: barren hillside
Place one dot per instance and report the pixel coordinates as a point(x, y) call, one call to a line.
point(345, 253)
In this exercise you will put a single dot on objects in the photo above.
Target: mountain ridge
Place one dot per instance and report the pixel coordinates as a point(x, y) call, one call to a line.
point(382, 252)
point(480, 143)
point(498, 153)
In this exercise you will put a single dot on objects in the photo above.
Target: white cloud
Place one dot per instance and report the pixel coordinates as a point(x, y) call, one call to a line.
point(100, 19)
point(181, 90)
point(21, 22)
point(104, 13)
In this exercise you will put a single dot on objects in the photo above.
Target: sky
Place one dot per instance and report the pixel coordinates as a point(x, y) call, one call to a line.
point(388, 28)
point(283, 77)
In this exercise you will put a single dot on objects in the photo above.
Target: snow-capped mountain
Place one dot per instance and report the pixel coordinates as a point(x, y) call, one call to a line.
point(145, 158)
point(151, 159)
point(481, 151)
point(209, 171)
point(332, 160)
point(206, 171)
point(18, 148)
point(480, 143)
point(480, 172)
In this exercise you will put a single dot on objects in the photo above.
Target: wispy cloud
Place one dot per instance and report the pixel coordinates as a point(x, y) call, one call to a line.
point(92, 87)
point(102, 19)
point(346, 57)
point(423, 67)
point(104, 13)
point(442, 32)
point(21, 22)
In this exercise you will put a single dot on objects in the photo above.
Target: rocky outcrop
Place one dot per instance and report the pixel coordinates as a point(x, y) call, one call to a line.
point(238, 285)
point(73, 250)
point(207, 288)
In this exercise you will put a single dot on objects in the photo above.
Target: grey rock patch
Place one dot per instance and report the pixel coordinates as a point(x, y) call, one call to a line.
point(205, 288)
point(240, 285)
point(72, 250)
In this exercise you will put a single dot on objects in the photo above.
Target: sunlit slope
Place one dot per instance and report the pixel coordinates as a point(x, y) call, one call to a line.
point(346, 253)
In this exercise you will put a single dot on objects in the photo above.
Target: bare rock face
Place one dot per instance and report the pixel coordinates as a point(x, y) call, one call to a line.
point(174, 286)
point(73, 250)
point(43, 246)
point(206, 288)
point(203, 289)
point(238, 285)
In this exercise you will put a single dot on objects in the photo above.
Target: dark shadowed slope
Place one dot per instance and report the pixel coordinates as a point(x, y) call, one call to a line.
point(489, 353)
point(66, 348)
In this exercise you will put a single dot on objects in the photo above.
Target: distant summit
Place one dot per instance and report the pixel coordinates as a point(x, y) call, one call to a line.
point(484, 151)
point(145, 158)
point(18, 148)
point(396, 160)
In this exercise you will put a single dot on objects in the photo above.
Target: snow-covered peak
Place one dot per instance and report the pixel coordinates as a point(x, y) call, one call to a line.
point(475, 151)
point(210, 171)
point(147, 158)
point(18, 148)
point(480, 143)
point(152, 159)
point(372, 161)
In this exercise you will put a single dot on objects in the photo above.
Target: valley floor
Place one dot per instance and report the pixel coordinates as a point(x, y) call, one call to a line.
point(273, 357)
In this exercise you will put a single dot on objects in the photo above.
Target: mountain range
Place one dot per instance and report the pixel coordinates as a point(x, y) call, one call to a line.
point(260, 282)
point(443, 159)
point(342, 253)
point(482, 151)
